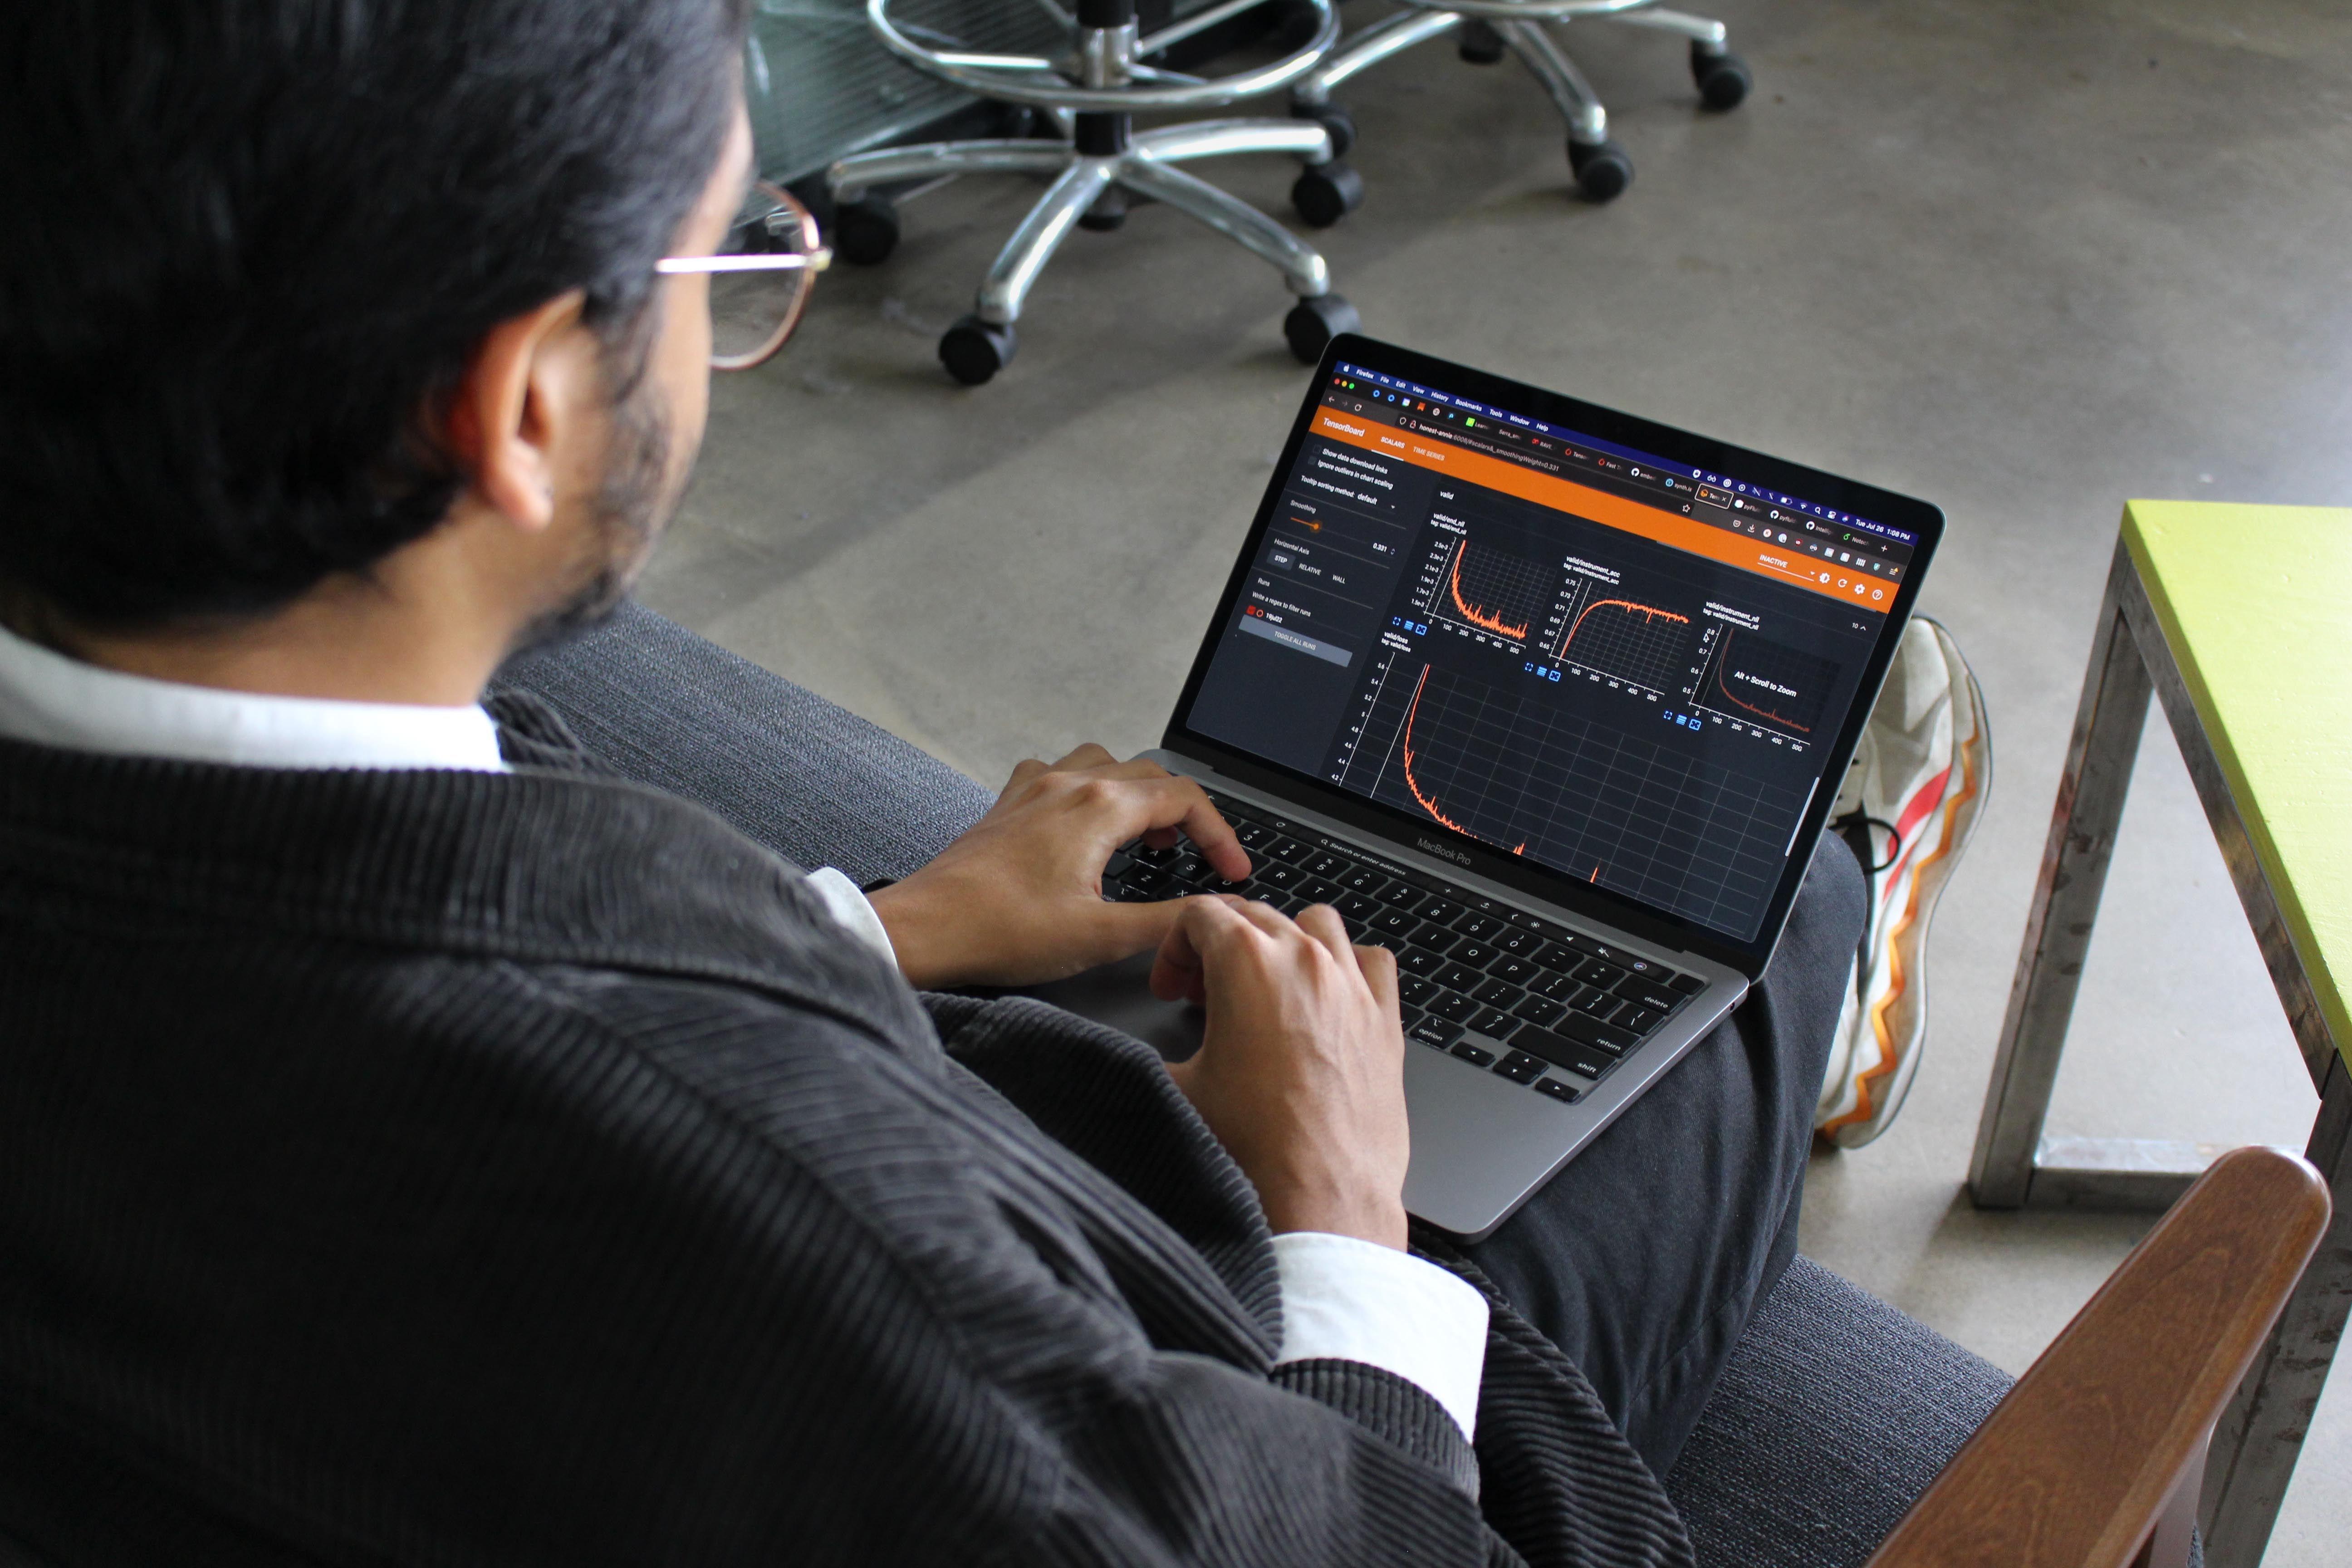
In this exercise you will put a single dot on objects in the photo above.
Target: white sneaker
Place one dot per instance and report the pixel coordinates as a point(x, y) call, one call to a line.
point(1910, 802)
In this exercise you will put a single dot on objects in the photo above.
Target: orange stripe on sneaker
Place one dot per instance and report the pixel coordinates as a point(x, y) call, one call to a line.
point(1863, 1082)
point(1922, 802)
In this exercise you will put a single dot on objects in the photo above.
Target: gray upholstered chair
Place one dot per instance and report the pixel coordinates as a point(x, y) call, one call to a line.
point(1837, 1411)
point(1842, 1432)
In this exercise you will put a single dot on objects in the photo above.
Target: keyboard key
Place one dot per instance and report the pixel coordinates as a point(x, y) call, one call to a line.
point(1420, 961)
point(1146, 880)
point(1517, 971)
point(1608, 1037)
point(1289, 850)
point(1560, 987)
point(1597, 1005)
point(1473, 954)
point(1520, 1067)
point(1478, 928)
point(1440, 911)
point(1327, 864)
point(1190, 868)
point(1150, 857)
point(1395, 923)
point(1436, 939)
point(1558, 1089)
point(1518, 940)
point(1364, 880)
point(1461, 977)
point(1416, 990)
point(1593, 972)
point(1357, 908)
point(1688, 985)
point(1315, 891)
point(1435, 1032)
point(1536, 1010)
point(1253, 834)
point(1557, 958)
point(1474, 1056)
point(1645, 990)
point(1644, 965)
point(1493, 1023)
point(1641, 1020)
point(1408, 1017)
point(1455, 1006)
point(1498, 994)
point(1403, 894)
point(1560, 1051)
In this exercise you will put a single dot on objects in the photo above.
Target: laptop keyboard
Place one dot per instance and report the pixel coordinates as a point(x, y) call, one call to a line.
point(1504, 991)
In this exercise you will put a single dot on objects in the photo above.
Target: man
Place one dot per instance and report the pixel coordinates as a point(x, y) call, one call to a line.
point(419, 1144)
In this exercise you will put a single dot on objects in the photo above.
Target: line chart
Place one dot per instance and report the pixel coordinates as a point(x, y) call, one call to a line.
point(1494, 590)
point(1532, 778)
point(1633, 641)
point(1771, 681)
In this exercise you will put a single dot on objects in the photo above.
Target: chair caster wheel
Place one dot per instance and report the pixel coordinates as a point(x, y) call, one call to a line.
point(1723, 79)
point(866, 230)
point(1603, 171)
point(1313, 324)
point(973, 350)
point(1481, 45)
point(1326, 194)
point(1332, 118)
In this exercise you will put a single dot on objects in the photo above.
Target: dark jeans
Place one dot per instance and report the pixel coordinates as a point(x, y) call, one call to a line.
point(1643, 1260)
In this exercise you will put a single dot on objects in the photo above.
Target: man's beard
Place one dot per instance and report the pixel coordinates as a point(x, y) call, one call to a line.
point(632, 505)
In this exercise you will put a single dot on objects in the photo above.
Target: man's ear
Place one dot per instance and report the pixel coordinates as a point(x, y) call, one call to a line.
point(532, 380)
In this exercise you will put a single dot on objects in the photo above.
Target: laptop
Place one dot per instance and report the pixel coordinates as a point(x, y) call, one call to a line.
point(1550, 700)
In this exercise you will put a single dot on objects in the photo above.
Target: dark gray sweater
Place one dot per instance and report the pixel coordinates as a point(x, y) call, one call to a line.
point(452, 1168)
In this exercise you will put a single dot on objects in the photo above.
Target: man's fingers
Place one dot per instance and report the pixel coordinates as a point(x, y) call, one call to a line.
point(1089, 755)
point(1322, 923)
point(1153, 807)
point(1180, 971)
point(1379, 967)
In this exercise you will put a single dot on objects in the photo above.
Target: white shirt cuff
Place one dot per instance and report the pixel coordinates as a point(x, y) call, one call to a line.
point(845, 904)
point(1347, 1299)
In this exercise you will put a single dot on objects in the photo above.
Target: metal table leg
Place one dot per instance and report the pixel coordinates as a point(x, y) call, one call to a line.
point(2256, 1445)
point(2065, 901)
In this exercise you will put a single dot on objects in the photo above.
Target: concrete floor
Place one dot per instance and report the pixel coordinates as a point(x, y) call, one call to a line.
point(2024, 260)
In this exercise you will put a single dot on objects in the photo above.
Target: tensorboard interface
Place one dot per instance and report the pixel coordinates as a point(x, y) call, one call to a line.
point(1616, 666)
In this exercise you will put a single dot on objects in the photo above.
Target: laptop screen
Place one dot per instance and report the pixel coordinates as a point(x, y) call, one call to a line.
point(1619, 664)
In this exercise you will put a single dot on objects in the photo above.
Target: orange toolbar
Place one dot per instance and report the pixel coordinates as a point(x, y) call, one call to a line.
point(1683, 533)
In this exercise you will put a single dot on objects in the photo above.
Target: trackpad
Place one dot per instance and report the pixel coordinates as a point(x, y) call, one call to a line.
point(1119, 995)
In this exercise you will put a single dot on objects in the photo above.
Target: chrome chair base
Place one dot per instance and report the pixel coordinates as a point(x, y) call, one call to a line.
point(1083, 183)
point(1519, 28)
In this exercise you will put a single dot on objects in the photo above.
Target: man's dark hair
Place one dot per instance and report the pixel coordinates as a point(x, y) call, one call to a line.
point(248, 245)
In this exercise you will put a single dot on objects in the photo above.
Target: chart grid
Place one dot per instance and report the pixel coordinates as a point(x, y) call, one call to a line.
point(1640, 643)
point(1704, 841)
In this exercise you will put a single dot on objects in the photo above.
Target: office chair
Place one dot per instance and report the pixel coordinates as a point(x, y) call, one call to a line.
point(1098, 160)
point(1491, 28)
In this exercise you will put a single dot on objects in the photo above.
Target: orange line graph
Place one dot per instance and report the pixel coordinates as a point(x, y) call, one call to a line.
point(1489, 619)
point(1649, 612)
point(1411, 783)
point(1766, 712)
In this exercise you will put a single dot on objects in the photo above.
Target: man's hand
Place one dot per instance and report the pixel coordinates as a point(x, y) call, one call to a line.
point(1018, 899)
point(1301, 1074)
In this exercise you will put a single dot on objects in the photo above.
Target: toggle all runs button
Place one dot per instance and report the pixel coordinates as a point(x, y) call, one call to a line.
point(1298, 640)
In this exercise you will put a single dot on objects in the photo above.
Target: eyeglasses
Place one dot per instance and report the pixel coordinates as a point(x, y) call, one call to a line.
point(760, 278)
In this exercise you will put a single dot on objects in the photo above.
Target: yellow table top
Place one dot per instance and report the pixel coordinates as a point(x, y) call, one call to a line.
point(2256, 603)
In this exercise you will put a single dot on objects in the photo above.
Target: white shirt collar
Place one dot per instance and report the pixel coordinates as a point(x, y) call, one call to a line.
point(52, 701)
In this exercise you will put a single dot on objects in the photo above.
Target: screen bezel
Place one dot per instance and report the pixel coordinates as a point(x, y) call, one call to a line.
point(1924, 521)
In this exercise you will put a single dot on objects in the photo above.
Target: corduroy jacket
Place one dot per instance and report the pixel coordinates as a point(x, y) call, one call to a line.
point(476, 1169)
